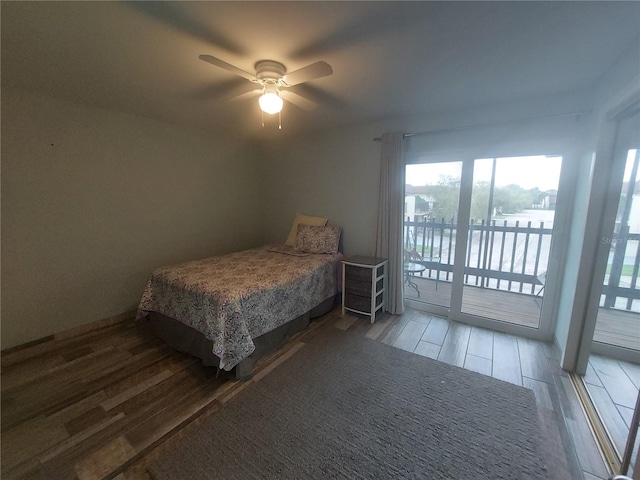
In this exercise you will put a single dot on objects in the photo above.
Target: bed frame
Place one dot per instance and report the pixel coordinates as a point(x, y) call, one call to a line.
point(192, 342)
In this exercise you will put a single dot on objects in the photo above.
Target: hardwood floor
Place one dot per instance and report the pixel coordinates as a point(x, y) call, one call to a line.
point(106, 403)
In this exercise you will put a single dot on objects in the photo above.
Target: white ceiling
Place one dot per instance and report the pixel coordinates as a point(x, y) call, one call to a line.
point(389, 58)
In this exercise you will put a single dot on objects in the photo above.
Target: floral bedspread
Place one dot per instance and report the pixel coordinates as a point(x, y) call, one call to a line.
point(234, 298)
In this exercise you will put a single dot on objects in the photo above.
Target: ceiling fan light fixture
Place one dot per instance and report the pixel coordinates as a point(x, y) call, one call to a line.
point(270, 102)
point(272, 76)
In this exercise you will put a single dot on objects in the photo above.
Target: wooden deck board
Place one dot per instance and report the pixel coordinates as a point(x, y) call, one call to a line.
point(616, 327)
point(613, 327)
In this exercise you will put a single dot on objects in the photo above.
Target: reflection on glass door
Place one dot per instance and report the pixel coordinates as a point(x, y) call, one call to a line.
point(618, 321)
point(612, 377)
point(431, 212)
point(512, 211)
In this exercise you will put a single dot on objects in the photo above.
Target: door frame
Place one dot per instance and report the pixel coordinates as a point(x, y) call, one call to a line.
point(549, 306)
point(545, 327)
point(431, 308)
point(602, 208)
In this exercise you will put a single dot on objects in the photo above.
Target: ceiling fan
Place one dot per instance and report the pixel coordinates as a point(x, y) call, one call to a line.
point(272, 82)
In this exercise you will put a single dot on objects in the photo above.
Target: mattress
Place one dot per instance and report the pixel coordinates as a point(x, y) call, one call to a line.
point(233, 299)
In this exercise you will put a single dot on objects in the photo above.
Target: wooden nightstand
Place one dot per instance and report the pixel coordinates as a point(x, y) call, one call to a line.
point(363, 285)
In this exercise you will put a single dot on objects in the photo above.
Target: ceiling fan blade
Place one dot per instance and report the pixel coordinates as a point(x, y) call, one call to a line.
point(320, 96)
point(242, 88)
point(243, 96)
point(223, 90)
point(227, 66)
point(310, 72)
point(181, 17)
point(298, 100)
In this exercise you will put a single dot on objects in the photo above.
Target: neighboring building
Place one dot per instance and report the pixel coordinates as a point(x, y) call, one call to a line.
point(549, 200)
point(417, 202)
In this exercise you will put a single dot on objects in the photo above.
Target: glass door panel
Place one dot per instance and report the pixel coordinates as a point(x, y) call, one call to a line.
point(612, 376)
point(509, 239)
point(431, 211)
point(618, 318)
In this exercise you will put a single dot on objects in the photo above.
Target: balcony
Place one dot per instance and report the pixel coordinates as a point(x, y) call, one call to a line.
point(505, 273)
point(613, 327)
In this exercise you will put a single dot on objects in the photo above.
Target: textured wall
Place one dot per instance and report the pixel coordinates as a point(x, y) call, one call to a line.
point(93, 201)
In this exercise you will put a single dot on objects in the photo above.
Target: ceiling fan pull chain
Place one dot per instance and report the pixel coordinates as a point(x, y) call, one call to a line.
point(280, 120)
point(262, 115)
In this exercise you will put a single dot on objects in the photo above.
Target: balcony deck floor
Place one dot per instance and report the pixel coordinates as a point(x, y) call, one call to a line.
point(613, 327)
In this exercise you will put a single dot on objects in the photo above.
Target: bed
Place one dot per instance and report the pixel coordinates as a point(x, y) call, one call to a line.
point(231, 309)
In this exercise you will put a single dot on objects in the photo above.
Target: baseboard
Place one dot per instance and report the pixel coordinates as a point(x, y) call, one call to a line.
point(618, 353)
point(556, 350)
point(24, 351)
point(93, 326)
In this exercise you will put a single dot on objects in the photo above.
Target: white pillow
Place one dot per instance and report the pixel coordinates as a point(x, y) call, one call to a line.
point(304, 220)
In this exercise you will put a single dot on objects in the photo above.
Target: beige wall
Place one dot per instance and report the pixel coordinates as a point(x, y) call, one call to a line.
point(82, 230)
point(335, 173)
point(93, 201)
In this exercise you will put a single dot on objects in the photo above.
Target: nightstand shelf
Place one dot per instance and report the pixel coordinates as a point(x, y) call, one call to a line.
point(363, 285)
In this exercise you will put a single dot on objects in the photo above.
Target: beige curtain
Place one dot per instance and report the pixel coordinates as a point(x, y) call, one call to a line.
point(389, 243)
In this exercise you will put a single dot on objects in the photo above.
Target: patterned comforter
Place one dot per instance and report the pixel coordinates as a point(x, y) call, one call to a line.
point(235, 298)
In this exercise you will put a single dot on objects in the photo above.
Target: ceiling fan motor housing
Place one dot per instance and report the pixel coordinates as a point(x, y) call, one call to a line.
point(270, 71)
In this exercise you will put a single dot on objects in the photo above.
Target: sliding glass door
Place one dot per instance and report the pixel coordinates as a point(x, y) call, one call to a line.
point(618, 318)
point(512, 212)
point(431, 213)
point(478, 237)
point(612, 379)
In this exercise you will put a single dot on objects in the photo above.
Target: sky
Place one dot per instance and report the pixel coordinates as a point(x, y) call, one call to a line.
point(528, 172)
point(631, 156)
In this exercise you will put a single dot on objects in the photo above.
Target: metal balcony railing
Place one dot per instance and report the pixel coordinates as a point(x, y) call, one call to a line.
point(500, 256)
point(512, 257)
point(621, 279)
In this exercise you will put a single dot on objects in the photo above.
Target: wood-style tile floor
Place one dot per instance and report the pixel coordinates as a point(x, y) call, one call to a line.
point(107, 403)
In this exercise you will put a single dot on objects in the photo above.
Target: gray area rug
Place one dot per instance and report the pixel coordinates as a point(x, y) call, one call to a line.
point(345, 406)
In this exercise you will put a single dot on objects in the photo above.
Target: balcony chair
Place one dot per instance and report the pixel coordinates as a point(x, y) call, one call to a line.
point(412, 256)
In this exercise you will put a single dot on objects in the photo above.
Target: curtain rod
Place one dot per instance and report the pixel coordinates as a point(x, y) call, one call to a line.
point(480, 125)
